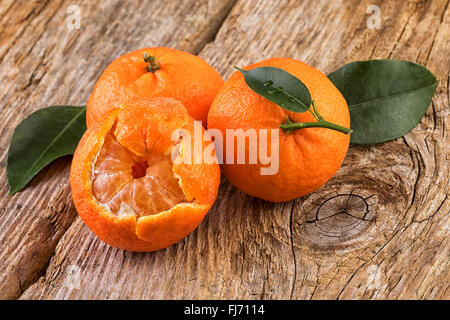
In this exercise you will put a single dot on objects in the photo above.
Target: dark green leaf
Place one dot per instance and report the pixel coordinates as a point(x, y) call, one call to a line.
point(386, 98)
point(39, 139)
point(278, 86)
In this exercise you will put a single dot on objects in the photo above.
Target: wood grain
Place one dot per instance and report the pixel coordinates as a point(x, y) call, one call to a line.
point(379, 229)
point(46, 63)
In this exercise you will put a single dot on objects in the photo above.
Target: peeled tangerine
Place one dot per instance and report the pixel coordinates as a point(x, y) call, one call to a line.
point(125, 185)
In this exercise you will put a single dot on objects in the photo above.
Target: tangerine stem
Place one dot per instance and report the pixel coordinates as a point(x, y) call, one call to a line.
point(321, 123)
point(152, 64)
point(289, 126)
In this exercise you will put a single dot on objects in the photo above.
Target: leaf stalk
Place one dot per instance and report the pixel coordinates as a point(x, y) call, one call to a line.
point(289, 126)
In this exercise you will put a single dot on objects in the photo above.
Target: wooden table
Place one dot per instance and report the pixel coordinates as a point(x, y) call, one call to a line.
point(395, 242)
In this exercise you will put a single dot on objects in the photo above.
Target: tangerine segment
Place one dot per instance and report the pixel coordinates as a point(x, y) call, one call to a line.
point(141, 201)
point(123, 181)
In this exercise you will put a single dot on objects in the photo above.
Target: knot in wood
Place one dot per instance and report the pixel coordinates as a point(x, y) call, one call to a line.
point(337, 218)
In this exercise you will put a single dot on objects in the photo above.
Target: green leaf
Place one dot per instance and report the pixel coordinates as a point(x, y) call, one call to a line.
point(386, 98)
point(278, 86)
point(39, 139)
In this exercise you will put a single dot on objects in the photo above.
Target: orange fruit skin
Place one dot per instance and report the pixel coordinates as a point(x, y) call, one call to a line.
point(143, 125)
point(307, 157)
point(182, 76)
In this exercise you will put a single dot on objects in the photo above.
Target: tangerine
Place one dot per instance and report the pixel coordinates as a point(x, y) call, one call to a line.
point(128, 183)
point(307, 157)
point(155, 72)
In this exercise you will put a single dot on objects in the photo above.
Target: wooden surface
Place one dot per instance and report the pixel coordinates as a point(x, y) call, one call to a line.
point(393, 240)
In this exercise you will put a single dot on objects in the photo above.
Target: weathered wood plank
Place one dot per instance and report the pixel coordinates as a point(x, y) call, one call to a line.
point(394, 241)
point(45, 63)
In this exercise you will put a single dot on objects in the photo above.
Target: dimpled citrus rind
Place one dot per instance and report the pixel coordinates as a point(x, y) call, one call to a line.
point(182, 76)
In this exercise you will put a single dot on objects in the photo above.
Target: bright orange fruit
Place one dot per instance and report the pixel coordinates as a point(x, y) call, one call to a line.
point(125, 185)
point(307, 157)
point(155, 72)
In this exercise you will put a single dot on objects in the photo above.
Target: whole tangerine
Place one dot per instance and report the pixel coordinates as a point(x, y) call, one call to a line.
point(155, 72)
point(308, 157)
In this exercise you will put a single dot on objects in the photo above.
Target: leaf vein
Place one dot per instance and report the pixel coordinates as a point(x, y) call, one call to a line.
point(365, 103)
